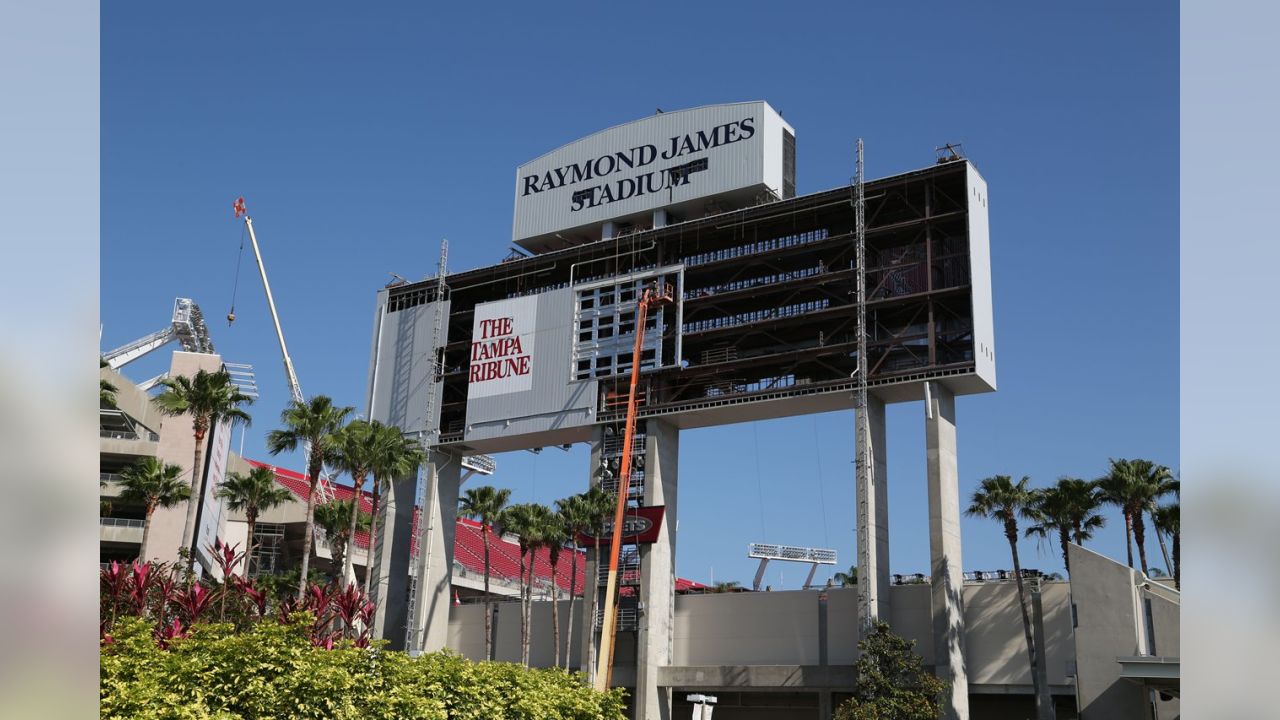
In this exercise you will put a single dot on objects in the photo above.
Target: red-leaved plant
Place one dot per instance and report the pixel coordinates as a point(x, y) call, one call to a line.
point(171, 597)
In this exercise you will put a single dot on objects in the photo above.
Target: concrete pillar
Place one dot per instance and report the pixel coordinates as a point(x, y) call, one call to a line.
point(657, 573)
point(590, 594)
point(946, 572)
point(825, 710)
point(660, 217)
point(873, 523)
point(435, 550)
point(391, 556)
point(608, 230)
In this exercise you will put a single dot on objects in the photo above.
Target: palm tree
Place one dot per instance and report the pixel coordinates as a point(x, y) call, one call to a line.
point(577, 520)
point(485, 504)
point(526, 520)
point(553, 534)
point(1003, 500)
point(106, 393)
point(208, 398)
point(314, 425)
point(1134, 486)
point(1069, 510)
point(106, 390)
point(394, 457)
point(253, 493)
point(726, 586)
point(847, 579)
point(353, 453)
point(1166, 519)
point(334, 518)
point(154, 484)
point(1165, 484)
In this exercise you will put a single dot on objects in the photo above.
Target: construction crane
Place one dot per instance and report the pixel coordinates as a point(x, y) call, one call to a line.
point(295, 389)
point(651, 296)
point(187, 327)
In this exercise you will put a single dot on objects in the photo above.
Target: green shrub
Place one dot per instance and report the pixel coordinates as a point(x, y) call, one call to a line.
point(275, 671)
point(891, 683)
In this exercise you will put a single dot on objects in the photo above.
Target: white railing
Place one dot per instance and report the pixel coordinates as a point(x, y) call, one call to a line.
point(121, 522)
point(129, 435)
point(108, 477)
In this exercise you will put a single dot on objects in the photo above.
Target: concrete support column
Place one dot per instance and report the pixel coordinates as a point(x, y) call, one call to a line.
point(660, 217)
point(825, 710)
point(590, 594)
point(873, 522)
point(391, 557)
point(657, 573)
point(435, 550)
point(946, 571)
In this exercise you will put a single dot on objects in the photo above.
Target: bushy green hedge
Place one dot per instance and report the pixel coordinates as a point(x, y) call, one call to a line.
point(274, 671)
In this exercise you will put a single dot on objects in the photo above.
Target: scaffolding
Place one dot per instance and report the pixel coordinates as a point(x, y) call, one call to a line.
point(768, 306)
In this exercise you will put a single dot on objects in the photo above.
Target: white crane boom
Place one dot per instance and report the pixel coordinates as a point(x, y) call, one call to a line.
point(295, 388)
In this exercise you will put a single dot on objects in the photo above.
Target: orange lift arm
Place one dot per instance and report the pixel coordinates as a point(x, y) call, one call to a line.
point(608, 628)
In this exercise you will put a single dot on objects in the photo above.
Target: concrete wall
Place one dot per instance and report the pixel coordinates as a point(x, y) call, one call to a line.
point(466, 632)
point(1109, 625)
point(772, 628)
point(781, 628)
point(176, 446)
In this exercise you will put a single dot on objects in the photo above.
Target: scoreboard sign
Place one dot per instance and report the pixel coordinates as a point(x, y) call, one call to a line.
point(655, 162)
point(639, 525)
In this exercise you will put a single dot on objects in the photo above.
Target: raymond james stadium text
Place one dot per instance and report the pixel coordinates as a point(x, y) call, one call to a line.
point(637, 157)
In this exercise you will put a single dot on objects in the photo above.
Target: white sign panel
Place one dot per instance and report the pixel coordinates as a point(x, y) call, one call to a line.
point(502, 347)
point(650, 163)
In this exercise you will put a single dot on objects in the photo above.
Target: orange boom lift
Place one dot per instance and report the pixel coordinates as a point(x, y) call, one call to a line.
point(609, 627)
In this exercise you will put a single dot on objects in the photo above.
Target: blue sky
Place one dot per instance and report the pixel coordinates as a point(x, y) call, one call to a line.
point(360, 138)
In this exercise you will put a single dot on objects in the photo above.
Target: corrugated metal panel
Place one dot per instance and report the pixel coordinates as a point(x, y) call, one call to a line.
point(636, 158)
point(984, 338)
point(552, 401)
point(404, 356)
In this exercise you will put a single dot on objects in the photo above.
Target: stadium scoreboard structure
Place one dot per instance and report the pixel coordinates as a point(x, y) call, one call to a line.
point(537, 350)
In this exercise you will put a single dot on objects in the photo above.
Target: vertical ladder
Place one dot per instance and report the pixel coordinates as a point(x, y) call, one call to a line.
point(414, 631)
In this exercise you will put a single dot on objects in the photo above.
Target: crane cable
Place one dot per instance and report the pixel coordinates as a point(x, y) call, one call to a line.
point(235, 287)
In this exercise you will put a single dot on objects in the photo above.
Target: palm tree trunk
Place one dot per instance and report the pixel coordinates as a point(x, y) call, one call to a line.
point(1164, 549)
point(348, 565)
point(251, 515)
point(555, 609)
point(313, 475)
point(590, 608)
point(146, 532)
point(1177, 564)
point(573, 592)
point(524, 619)
point(1128, 536)
point(488, 604)
point(338, 552)
point(528, 610)
point(1011, 533)
point(1064, 538)
point(370, 570)
point(193, 503)
point(1139, 538)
